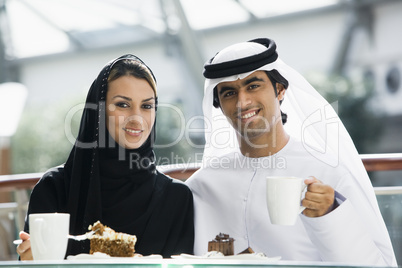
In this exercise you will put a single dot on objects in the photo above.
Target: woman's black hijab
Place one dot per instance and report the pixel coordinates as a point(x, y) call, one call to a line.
point(102, 179)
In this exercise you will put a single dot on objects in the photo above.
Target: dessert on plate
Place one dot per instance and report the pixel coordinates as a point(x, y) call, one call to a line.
point(106, 240)
point(222, 243)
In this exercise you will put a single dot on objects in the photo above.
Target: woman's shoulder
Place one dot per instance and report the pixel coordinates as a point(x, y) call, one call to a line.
point(54, 172)
point(48, 195)
point(53, 175)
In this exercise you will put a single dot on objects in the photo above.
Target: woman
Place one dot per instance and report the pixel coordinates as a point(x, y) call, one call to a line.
point(110, 174)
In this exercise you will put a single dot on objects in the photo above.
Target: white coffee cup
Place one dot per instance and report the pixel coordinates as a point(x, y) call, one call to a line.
point(49, 235)
point(284, 199)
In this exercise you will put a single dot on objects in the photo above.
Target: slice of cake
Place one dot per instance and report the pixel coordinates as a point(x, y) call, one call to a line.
point(222, 243)
point(107, 241)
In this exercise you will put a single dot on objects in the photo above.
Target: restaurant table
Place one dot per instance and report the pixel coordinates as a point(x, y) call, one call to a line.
point(176, 263)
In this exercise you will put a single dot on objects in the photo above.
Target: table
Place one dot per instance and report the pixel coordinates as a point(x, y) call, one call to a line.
point(174, 263)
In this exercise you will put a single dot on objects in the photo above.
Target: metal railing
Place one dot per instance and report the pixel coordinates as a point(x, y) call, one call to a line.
point(381, 162)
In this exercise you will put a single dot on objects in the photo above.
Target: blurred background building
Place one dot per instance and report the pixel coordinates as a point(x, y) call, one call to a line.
point(350, 50)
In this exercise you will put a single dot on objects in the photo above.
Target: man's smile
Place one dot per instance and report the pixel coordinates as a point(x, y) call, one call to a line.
point(245, 116)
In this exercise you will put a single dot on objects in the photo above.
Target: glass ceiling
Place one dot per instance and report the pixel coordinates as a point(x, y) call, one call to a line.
point(32, 28)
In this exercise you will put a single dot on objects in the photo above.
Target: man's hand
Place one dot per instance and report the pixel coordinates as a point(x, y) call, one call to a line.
point(319, 198)
point(24, 249)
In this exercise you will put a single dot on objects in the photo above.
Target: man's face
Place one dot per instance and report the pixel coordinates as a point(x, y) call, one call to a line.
point(250, 104)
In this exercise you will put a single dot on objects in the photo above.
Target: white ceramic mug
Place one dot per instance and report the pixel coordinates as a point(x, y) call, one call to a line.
point(49, 235)
point(284, 199)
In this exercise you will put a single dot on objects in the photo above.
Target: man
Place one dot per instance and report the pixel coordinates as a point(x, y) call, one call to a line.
point(248, 138)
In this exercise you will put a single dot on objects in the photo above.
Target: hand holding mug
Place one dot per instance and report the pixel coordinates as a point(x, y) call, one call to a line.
point(24, 249)
point(319, 198)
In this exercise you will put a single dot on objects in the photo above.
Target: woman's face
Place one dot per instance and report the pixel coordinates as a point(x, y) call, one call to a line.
point(130, 111)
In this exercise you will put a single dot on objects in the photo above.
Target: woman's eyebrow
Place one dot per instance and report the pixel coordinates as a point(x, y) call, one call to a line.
point(123, 97)
point(151, 98)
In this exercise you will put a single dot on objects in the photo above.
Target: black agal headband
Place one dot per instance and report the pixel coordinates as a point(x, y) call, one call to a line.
point(242, 65)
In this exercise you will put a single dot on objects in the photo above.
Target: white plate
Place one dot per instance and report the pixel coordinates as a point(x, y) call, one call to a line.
point(99, 255)
point(209, 256)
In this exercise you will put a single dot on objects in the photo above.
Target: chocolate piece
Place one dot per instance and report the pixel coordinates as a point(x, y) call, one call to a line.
point(222, 243)
point(247, 251)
